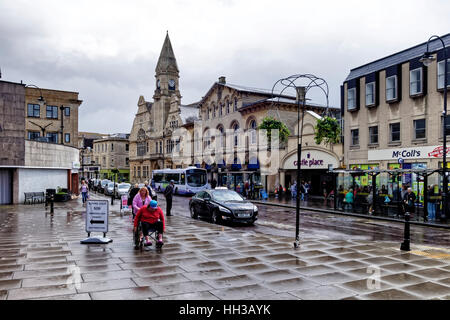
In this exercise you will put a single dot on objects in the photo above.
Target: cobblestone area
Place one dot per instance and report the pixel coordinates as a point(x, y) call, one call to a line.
point(41, 258)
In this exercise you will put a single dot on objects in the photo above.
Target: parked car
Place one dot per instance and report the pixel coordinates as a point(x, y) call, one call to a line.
point(110, 189)
point(153, 194)
point(221, 204)
point(102, 185)
point(122, 190)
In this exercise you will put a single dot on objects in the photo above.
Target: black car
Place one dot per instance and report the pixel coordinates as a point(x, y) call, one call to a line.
point(221, 204)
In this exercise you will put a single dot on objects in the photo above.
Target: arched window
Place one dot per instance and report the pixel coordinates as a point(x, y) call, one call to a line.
point(221, 141)
point(253, 132)
point(236, 133)
point(141, 144)
point(228, 106)
point(235, 104)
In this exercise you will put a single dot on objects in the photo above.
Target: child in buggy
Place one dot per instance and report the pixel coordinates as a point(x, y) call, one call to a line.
point(149, 219)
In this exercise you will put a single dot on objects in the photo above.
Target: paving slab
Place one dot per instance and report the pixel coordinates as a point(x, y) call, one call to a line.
point(202, 295)
point(106, 285)
point(240, 293)
point(427, 290)
point(390, 294)
point(329, 292)
point(180, 288)
point(40, 292)
point(161, 279)
point(140, 293)
point(233, 281)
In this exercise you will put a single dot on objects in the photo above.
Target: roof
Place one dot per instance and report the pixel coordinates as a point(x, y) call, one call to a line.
point(315, 115)
point(167, 59)
point(398, 58)
point(189, 112)
point(287, 101)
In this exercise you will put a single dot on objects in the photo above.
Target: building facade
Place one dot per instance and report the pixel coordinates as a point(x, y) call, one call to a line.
point(151, 142)
point(89, 169)
point(51, 115)
point(392, 111)
point(111, 153)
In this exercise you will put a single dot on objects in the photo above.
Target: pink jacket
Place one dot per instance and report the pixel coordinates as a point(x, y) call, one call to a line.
point(137, 202)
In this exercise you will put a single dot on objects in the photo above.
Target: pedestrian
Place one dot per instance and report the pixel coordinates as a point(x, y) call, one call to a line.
point(213, 184)
point(84, 189)
point(431, 206)
point(302, 191)
point(409, 201)
point(370, 202)
point(148, 187)
point(348, 200)
point(324, 189)
point(140, 200)
point(168, 193)
point(294, 190)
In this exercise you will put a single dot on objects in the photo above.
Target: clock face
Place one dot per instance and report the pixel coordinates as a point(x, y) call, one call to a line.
point(172, 84)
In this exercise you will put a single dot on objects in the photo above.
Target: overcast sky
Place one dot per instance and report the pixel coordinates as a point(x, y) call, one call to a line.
point(108, 50)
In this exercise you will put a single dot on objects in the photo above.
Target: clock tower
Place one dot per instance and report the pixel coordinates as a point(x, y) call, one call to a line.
point(166, 73)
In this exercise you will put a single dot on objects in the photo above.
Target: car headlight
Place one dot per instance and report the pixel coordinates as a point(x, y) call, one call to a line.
point(223, 209)
point(255, 208)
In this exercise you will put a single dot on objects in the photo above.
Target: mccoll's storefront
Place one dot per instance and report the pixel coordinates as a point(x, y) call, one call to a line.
point(315, 164)
point(415, 158)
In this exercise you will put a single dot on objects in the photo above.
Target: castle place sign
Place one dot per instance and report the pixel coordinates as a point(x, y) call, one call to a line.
point(428, 152)
point(311, 159)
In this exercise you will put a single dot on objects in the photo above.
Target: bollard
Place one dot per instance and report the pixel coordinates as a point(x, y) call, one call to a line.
point(52, 200)
point(406, 241)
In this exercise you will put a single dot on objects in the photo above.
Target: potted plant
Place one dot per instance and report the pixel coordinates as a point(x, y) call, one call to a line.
point(270, 123)
point(327, 130)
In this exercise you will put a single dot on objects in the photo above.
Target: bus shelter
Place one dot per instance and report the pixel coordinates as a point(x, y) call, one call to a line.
point(381, 191)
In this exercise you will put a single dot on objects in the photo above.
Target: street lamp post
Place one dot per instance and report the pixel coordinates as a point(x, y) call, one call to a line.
point(290, 82)
point(427, 59)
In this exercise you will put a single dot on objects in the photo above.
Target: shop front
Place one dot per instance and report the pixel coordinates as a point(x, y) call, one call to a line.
point(314, 170)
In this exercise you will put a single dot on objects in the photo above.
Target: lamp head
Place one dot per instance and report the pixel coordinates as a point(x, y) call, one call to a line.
point(427, 59)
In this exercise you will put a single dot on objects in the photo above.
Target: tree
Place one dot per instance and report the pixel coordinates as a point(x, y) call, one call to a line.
point(328, 130)
point(270, 124)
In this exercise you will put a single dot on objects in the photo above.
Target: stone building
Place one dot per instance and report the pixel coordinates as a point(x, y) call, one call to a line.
point(151, 142)
point(89, 169)
point(44, 109)
point(393, 113)
point(112, 152)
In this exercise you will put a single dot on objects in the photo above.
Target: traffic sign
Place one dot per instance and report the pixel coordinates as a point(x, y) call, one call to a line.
point(97, 216)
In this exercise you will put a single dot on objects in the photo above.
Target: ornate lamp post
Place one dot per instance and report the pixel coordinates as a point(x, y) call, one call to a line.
point(309, 81)
point(427, 59)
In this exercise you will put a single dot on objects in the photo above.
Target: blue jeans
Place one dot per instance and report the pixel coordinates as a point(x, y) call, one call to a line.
point(84, 196)
point(431, 210)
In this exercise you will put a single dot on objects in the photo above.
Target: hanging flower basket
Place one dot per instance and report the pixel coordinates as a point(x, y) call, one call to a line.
point(327, 130)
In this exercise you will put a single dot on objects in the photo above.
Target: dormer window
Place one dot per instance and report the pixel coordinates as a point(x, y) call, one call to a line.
point(351, 99)
point(370, 94)
point(391, 88)
point(415, 82)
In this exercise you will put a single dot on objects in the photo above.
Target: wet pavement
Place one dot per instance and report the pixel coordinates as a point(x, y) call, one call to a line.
point(339, 258)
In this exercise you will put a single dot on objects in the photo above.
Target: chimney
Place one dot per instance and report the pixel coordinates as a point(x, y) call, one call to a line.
point(222, 80)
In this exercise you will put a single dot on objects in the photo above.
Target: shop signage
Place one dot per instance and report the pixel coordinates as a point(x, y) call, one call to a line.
point(406, 153)
point(311, 159)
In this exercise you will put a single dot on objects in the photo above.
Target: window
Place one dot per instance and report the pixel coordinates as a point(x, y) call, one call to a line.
point(34, 110)
point(355, 137)
point(373, 135)
point(440, 74)
point(104, 161)
point(139, 172)
point(112, 162)
point(391, 88)
point(419, 129)
point(96, 160)
point(32, 135)
point(52, 137)
point(112, 146)
point(52, 112)
point(235, 104)
point(160, 147)
point(67, 111)
point(127, 161)
point(222, 137)
point(220, 110)
point(228, 107)
point(141, 148)
point(236, 134)
point(415, 81)
point(253, 132)
point(394, 132)
point(67, 137)
point(351, 99)
point(214, 112)
point(370, 94)
point(127, 147)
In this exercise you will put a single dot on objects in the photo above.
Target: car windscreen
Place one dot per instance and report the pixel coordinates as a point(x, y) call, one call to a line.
point(124, 186)
point(111, 185)
point(226, 195)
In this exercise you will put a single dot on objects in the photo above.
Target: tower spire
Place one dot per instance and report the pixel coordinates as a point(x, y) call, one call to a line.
point(167, 61)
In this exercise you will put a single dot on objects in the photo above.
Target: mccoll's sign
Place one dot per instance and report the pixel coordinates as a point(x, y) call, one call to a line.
point(428, 152)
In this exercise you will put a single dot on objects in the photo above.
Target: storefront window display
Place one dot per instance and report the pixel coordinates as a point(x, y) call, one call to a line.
point(416, 182)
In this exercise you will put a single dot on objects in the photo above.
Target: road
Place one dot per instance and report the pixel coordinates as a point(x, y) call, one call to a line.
point(280, 221)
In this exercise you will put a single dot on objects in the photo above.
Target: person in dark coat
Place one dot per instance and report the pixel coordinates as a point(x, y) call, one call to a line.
point(168, 193)
point(133, 192)
point(409, 200)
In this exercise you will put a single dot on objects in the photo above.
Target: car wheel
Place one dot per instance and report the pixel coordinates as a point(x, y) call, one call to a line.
point(194, 215)
point(215, 218)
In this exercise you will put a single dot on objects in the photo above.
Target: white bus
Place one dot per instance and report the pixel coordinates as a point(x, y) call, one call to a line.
point(187, 181)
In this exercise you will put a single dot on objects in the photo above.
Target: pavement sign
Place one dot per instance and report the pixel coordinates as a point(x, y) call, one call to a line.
point(97, 212)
